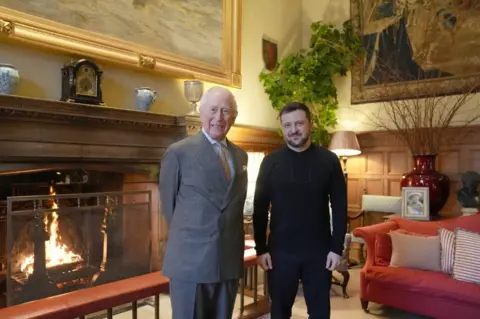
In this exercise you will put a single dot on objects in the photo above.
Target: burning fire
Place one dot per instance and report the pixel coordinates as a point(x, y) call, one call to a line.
point(56, 252)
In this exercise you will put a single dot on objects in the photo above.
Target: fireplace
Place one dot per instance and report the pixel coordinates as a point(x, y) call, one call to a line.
point(71, 229)
point(78, 195)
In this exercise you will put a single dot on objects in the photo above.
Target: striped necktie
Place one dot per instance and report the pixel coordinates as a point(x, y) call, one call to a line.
point(222, 153)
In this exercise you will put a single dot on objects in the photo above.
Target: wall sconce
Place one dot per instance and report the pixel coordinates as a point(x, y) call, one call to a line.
point(344, 144)
point(193, 91)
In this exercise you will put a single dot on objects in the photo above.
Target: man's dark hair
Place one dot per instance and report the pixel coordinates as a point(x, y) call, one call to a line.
point(294, 106)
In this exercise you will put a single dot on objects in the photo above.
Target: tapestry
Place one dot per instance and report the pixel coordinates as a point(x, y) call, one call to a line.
point(432, 41)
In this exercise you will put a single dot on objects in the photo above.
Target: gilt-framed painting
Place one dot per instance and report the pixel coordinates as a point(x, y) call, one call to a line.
point(432, 42)
point(186, 39)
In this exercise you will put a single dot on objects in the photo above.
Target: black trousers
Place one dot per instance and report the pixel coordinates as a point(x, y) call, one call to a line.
point(283, 280)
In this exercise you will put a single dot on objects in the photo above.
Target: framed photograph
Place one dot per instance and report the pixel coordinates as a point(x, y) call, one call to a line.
point(198, 39)
point(415, 203)
point(409, 43)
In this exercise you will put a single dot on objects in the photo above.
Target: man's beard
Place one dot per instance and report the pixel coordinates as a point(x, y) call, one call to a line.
point(298, 144)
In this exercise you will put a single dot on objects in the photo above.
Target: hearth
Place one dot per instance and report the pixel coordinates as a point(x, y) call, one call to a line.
point(79, 197)
point(71, 229)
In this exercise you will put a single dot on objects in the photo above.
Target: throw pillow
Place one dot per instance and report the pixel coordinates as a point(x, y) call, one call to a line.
point(466, 266)
point(407, 232)
point(383, 246)
point(447, 249)
point(417, 252)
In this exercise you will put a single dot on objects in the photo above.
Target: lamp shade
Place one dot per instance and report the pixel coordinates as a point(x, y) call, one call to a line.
point(345, 143)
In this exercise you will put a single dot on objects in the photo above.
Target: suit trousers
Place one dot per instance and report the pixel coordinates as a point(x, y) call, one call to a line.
point(191, 300)
point(283, 279)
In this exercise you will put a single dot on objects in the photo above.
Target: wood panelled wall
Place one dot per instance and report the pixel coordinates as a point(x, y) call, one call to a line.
point(384, 159)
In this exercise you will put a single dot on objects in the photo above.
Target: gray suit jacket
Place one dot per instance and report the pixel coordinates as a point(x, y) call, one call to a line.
point(204, 211)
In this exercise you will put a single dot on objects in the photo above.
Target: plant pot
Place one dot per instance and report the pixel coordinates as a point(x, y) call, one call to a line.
point(424, 174)
point(9, 78)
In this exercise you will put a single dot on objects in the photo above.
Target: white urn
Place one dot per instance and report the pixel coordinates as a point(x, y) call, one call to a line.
point(9, 78)
point(145, 98)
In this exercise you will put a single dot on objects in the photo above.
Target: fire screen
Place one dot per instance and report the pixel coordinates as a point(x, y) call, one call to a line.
point(61, 243)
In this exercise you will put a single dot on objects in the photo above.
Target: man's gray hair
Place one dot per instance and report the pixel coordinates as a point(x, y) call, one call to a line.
point(218, 89)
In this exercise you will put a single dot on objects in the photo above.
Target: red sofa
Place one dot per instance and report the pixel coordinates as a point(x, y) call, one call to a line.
point(429, 293)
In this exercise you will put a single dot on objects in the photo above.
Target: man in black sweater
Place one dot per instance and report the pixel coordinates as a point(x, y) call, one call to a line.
point(299, 182)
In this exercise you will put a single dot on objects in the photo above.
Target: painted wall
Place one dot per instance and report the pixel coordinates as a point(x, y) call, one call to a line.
point(356, 117)
point(279, 20)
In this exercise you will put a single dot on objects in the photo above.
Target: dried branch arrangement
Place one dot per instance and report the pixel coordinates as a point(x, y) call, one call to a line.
point(422, 122)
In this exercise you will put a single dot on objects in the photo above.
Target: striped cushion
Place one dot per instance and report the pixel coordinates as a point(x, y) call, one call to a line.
point(447, 243)
point(466, 266)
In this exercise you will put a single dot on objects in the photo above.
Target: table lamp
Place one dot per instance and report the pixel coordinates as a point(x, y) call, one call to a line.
point(344, 144)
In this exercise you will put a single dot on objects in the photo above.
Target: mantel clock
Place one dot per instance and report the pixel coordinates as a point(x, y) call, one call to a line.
point(81, 82)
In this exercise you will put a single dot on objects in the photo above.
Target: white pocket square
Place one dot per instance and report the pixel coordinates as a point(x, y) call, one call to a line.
point(244, 168)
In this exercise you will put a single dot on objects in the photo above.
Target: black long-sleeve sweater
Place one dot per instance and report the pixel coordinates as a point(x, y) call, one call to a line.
point(300, 186)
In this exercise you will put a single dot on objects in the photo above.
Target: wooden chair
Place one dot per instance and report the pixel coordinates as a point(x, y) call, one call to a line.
point(344, 265)
point(376, 204)
point(342, 268)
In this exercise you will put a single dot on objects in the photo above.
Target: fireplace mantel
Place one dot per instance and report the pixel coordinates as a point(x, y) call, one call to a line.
point(37, 130)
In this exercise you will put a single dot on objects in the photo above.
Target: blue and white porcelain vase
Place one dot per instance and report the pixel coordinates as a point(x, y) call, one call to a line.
point(9, 78)
point(145, 98)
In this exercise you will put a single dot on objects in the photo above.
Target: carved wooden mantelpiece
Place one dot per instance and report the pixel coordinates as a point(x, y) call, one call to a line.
point(36, 130)
point(248, 137)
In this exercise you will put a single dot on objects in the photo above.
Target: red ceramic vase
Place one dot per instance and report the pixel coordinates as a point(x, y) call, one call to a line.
point(424, 174)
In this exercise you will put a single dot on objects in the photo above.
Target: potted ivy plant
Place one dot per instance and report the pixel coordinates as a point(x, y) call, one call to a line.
point(308, 76)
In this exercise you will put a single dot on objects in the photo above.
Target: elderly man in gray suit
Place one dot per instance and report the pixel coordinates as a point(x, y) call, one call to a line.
point(203, 185)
